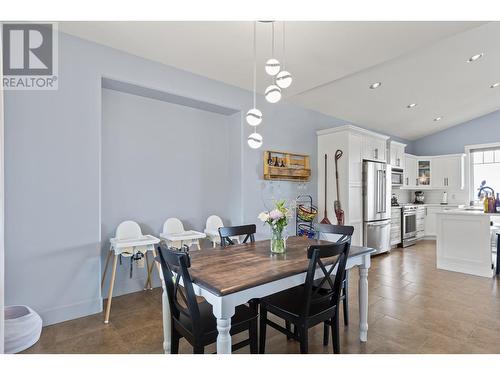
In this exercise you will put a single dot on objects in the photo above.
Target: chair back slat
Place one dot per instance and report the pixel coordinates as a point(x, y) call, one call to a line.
point(182, 300)
point(344, 231)
point(316, 254)
point(226, 233)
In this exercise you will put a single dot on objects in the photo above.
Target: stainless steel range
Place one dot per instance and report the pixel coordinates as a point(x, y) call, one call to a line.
point(409, 225)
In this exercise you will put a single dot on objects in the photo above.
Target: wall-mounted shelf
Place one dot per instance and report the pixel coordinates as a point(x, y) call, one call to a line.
point(286, 166)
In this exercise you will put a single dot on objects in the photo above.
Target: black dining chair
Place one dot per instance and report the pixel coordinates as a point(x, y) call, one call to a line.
point(194, 320)
point(226, 233)
point(248, 231)
point(345, 232)
point(305, 306)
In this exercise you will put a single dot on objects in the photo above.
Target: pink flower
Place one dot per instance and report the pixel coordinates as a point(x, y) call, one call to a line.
point(275, 214)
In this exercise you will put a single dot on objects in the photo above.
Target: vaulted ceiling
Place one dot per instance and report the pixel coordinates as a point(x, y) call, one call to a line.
point(334, 63)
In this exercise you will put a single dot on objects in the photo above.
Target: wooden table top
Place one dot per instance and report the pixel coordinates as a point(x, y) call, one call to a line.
point(243, 266)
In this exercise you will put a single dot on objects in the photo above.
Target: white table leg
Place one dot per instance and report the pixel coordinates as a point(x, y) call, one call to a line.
point(223, 313)
point(224, 338)
point(363, 298)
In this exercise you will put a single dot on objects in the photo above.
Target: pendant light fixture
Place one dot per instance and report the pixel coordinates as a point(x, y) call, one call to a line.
point(273, 94)
point(254, 140)
point(283, 78)
point(272, 65)
point(254, 116)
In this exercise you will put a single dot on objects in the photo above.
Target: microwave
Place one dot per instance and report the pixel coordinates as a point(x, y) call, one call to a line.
point(397, 177)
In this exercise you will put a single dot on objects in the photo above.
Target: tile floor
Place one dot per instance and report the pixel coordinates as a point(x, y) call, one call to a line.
point(413, 308)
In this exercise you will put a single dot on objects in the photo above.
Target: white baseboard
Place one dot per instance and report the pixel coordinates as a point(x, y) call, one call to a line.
point(68, 312)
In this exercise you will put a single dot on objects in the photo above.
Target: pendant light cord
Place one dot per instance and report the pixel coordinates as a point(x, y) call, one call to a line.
point(283, 57)
point(272, 47)
point(254, 64)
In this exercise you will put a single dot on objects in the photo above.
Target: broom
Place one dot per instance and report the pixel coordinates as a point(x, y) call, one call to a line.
point(325, 219)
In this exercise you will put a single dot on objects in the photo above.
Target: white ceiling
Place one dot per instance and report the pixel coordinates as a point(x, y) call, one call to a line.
point(333, 63)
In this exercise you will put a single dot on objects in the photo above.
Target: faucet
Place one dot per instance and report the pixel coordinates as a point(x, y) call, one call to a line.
point(483, 187)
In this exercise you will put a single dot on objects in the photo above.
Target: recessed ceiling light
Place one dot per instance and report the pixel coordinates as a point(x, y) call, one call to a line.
point(495, 85)
point(439, 118)
point(475, 57)
point(411, 105)
point(375, 85)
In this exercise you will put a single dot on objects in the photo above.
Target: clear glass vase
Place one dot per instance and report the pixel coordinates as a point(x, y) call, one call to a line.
point(278, 241)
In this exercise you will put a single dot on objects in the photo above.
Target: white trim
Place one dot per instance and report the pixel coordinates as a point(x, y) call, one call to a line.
point(2, 212)
point(469, 148)
point(72, 311)
point(397, 143)
point(352, 128)
point(469, 166)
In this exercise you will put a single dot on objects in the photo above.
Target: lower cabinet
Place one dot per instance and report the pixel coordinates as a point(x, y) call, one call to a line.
point(421, 222)
point(395, 226)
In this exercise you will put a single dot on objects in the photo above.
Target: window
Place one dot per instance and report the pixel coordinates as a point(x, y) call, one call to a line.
point(485, 166)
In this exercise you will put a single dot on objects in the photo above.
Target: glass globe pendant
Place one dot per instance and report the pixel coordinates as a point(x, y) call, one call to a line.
point(254, 140)
point(284, 79)
point(272, 67)
point(254, 117)
point(273, 94)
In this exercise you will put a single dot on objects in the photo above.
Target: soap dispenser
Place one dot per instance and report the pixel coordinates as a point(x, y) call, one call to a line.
point(444, 199)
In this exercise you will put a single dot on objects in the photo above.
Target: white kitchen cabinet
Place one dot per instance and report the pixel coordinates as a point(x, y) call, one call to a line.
point(455, 168)
point(430, 220)
point(356, 144)
point(395, 226)
point(434, 172)
point(410, 171)
point(448, 172)
point(420, 222)
point(424, 172)
point(439, 172)
point(374, 148)
point(396, 154)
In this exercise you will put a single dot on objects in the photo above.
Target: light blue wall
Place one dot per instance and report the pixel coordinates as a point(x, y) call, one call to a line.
point(181, 171)
point(485, 129)
point(52, 160)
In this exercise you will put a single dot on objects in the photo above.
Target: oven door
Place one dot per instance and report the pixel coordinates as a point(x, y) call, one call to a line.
point(409, 224)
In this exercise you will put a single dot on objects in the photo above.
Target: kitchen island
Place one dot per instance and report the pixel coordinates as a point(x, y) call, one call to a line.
point(463, 241)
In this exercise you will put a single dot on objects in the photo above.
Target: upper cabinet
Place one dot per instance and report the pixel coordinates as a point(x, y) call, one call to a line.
point(374, 147)
point(424, 172)
point(448, 172)
point(434, 172)
point(410, 172)
point(396, 154)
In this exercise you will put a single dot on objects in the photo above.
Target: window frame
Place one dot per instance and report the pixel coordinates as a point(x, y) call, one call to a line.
point(469, 149)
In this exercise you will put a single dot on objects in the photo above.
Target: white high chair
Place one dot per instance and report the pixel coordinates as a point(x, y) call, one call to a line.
point(212, 226)
point(175, 235)
point(128, 241)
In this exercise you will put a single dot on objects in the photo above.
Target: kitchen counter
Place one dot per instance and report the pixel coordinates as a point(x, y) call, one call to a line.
point(463, 242)
point(460, 211)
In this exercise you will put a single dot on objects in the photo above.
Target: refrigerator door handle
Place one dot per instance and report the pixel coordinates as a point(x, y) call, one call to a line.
point(384, 189)
point(383, 224)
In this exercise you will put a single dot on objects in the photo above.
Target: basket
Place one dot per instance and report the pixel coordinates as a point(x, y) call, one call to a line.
point(306, 213)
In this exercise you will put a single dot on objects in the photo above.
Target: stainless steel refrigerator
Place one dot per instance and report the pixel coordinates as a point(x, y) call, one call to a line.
point(377, 206)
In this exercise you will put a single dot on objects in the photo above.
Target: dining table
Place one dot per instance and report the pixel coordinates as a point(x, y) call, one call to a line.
point(231, 276)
